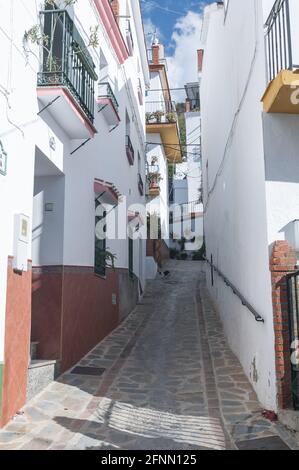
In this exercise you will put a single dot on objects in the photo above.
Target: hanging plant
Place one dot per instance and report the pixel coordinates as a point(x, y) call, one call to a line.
point(36, 36)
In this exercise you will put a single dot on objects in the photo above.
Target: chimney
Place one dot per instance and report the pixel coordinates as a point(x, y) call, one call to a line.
point(200, 54)
point(158, 53)
point(115, 8)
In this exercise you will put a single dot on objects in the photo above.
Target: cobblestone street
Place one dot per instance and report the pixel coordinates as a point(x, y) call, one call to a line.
point(169, 381)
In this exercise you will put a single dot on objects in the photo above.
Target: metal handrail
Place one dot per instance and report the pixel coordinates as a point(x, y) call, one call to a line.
point(246, 304)
point(293, 317)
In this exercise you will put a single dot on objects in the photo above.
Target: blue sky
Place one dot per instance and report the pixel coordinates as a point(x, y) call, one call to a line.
point(164, 15)
point(178, 24)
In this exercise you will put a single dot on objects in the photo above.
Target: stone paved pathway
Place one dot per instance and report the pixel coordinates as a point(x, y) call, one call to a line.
point(170, 382)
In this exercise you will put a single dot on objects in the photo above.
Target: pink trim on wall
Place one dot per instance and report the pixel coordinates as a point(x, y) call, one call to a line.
point(103, 187)
point(61, 91)
point(112, 28)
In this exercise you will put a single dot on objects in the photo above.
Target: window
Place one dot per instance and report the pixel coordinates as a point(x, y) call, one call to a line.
point(100, 239)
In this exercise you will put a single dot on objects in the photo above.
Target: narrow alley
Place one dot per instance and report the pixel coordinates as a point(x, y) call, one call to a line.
point(164, 379)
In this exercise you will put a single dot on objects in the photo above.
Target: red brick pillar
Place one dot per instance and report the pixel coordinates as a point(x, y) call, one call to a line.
point(200, 54)
point(115, 8)
point(156, 54)
point(282, 262)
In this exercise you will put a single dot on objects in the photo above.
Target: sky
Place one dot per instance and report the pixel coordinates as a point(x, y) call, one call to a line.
point(177, 24)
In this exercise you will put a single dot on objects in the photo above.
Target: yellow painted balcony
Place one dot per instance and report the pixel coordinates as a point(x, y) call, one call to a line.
point(161, 118)
point(282, 52)
point(282, 94)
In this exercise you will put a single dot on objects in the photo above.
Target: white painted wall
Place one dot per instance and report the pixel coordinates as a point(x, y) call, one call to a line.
point(236, 227)
point(159, 205)
point(281, 142)
point(24, 134)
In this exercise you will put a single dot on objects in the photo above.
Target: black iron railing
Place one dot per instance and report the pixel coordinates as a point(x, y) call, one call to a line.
point(193, 207)
point(65, 60)
point(160, 112)
point(105, 91)
point(130, 150)
point(140, 184)
point(278, 39)
point(293, 307)
point(129, 33)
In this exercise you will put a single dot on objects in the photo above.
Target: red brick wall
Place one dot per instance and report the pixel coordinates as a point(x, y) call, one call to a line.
point(282, 262)
point(156, 54)
point(17, 342)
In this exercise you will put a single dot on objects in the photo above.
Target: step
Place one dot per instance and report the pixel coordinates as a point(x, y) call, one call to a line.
point(40, 374)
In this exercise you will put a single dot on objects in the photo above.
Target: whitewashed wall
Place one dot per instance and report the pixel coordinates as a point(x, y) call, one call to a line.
point(24, 135)
point(236, 226)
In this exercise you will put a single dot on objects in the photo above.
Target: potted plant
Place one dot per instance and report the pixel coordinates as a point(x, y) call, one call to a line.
point(148, 117)
point(158, 116)
point(171, 117)
point(154, 180)
point(154, 161)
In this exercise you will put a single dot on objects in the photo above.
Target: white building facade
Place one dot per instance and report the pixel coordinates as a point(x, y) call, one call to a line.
point(187, 185)
point(250, 179)
point(72, 163)
point(163, 148)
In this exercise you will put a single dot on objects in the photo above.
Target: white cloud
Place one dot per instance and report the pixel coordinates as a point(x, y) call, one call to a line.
point(182, 64)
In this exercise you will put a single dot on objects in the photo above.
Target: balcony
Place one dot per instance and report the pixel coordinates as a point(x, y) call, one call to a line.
point(65, 83)
point(282, 52)
point(108, 105)
point(162, 118)
point(153, 180)
point(140, 185)
point(129, 38)
point(130, 150)
point(161, 112)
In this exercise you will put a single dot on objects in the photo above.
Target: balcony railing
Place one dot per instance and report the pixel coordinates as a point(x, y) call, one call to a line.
point(279, 39)
point(130, 150)
point(153, 181)
point(160, 112)
point(140, 184)
point(193, 207)
point(129, 35)
point(150, 59)
point(105, 91)
point(65, 60)
point(140, 92)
